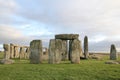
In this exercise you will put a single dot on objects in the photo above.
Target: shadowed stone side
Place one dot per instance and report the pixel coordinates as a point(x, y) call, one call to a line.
point(11, 51)
point(64, 50)
point(22, 53)
point(67, 36)
point(86, 53)
point(27, 53)
point(36, 51)
point(6, 51)
point(70, 44)
point(75, 51)
point(55, 50)
point(113, 53)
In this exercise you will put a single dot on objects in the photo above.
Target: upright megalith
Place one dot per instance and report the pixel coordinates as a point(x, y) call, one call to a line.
point(6, 51)
point(36, 51)
point(6, 59)
point(22, 52)
point(113, 52)
point(58, 49)
point(64, 50)
point(86, 53)
point(55, 50)
point(11, 50)
point(75, 51)
point(16, 51)
point(52, 51)
point(27, 53)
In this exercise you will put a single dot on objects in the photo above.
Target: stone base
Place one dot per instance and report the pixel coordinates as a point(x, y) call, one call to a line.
point(6, 61)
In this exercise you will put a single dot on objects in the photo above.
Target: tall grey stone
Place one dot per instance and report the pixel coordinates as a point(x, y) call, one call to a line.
point(86, 53)
point(64, 50)
point(36, 51)
point(16, 51)
point(6, 51)
point(52, 51)
point(75, 51)
point(55, 50)
point(113, 52)
point(58, 50)
point(11, 50)
point(22, 52)
point(81, 52)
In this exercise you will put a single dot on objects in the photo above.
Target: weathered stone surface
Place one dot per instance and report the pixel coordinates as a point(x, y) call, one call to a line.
point(55, 50)
point(36, 51)
point(52, 51)
point(111, 62)
point(64, 54)
point(6, 51)
point(97, 57)
point(75, 51)
point(22, 52)
point(86, 53)
point(113, 52)
point(16, 51)
point(58, 50)
point(7, 61)
point(81, 52)
point(27, 53)
point(67, 36)
point(11, 50)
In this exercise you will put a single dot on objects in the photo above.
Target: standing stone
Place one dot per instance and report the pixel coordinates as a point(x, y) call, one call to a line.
point(81, 52)
point(86, 53)
point(22, 53)
point(36, 51)
point(6, 51)
point(64, 50)
point(16, 51)
point(52, 51)
point(11, 51)
point(27, 53)
point(113, 52)
point(55, 50)
point(58, 50)
point(6, 59)
point(75, 51)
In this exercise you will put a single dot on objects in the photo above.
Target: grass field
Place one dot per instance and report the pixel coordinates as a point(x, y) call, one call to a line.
point(86, 70)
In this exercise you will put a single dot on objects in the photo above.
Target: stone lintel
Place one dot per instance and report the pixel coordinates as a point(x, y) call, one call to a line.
point(67, 36)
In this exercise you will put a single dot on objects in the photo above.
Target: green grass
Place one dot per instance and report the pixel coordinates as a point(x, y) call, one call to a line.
point(86, 70)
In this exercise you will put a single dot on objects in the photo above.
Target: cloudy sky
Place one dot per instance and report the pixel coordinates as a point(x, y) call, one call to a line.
point(24, 20)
